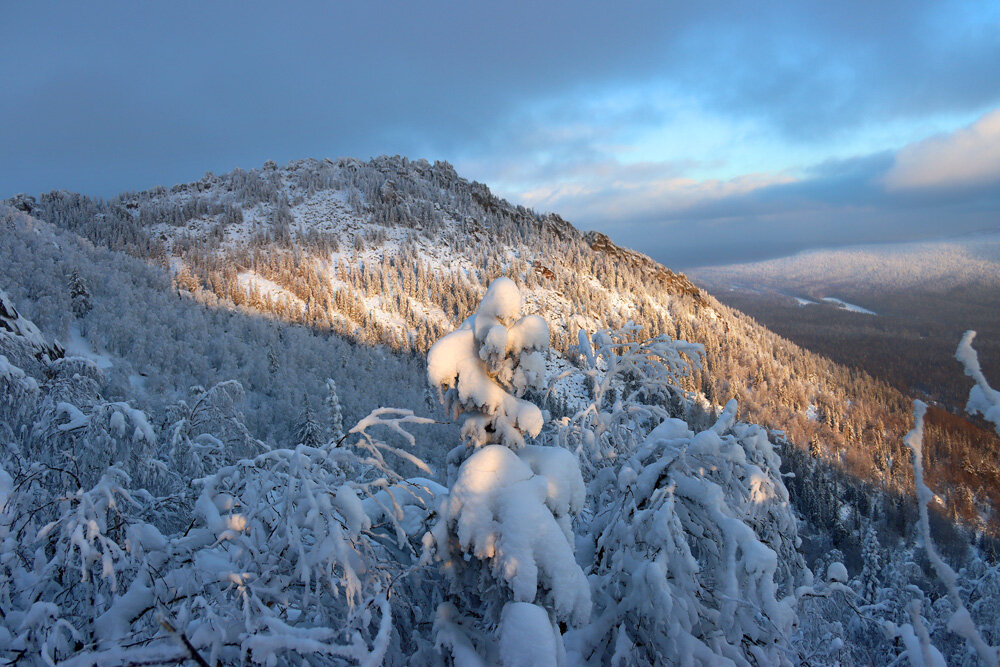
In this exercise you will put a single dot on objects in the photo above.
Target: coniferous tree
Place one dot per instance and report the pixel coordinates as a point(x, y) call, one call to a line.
point(334, 411)
point(79, 294)
point(309, 432)
point(871, 568)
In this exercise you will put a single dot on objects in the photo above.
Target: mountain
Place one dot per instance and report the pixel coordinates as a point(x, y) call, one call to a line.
point(396, 252)
point(178, 368)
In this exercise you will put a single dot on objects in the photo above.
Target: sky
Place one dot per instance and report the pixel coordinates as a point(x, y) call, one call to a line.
point(698, 133)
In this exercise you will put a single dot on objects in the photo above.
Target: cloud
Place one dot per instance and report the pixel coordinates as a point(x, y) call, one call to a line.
point(686, 222)
point(614, 191)
point(678, 128)
point(445, 81)
point(965, 158)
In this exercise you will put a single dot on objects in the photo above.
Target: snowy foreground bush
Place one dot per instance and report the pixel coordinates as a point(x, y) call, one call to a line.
point(645, 527)
point(112, 552)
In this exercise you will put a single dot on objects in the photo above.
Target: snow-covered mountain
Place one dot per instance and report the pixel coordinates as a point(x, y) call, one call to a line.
point(397, 252)
point(284, 279)
point(941, 264)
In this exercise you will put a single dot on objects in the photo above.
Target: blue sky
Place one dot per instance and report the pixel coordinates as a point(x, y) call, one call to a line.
point(696, 132)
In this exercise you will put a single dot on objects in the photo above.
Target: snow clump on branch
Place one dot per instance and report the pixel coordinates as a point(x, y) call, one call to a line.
point(488, 363)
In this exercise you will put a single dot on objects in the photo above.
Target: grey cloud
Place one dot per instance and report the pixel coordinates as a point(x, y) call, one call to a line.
point(195, 86)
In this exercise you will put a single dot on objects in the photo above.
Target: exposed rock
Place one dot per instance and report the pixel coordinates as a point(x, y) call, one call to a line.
point(676, 283)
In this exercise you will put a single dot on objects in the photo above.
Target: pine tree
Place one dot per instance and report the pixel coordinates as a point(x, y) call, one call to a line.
point(871, 554)
point(308, 432)
point(335, 413)
point(79, 294)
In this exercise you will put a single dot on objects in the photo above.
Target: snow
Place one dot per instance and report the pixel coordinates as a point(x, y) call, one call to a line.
point(670, 429)
point(566, 492)
point(502, 301)
point(526, 636)
point(530, 333)
point(836, 572)
point(351, 507)
point(76, 418)
point(409, 502)
point(498, 506)
point(9, 370)
point(487, 362)
point(78, 346)
point(803, 302)
point(11, 322)
point(850, 307)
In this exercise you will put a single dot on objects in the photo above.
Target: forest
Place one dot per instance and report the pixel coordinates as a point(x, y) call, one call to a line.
point(249, 419)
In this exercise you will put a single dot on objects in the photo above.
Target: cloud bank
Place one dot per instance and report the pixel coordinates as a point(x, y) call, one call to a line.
point(966, 158)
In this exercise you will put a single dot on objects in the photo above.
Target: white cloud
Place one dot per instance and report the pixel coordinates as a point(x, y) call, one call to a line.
point(967, 157)
point(616, 192)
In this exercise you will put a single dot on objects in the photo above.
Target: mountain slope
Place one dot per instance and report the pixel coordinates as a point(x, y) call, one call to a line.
point(398, 252)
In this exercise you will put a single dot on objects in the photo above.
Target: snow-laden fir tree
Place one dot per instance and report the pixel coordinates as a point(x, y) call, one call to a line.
point(504, 535)
point(871, 555)
point(308, 432)
point(334, 412)
point(79, 294)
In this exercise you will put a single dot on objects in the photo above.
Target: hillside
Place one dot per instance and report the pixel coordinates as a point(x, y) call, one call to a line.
point(397, 252)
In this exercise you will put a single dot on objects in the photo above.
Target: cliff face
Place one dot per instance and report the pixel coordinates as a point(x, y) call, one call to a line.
point(675, 283)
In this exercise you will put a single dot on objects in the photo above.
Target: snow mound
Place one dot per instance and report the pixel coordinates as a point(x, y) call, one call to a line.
point(526, 636)
point(836, 572)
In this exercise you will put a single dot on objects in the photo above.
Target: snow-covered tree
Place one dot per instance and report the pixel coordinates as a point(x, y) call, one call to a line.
point(334, 411)
point(633, 384)
point(79, 294)
point(484, 366)
point(691, 536)
point(308, 432)
point(695, 555)
point(871, 556)
point(209, 431)
point(504, 535)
